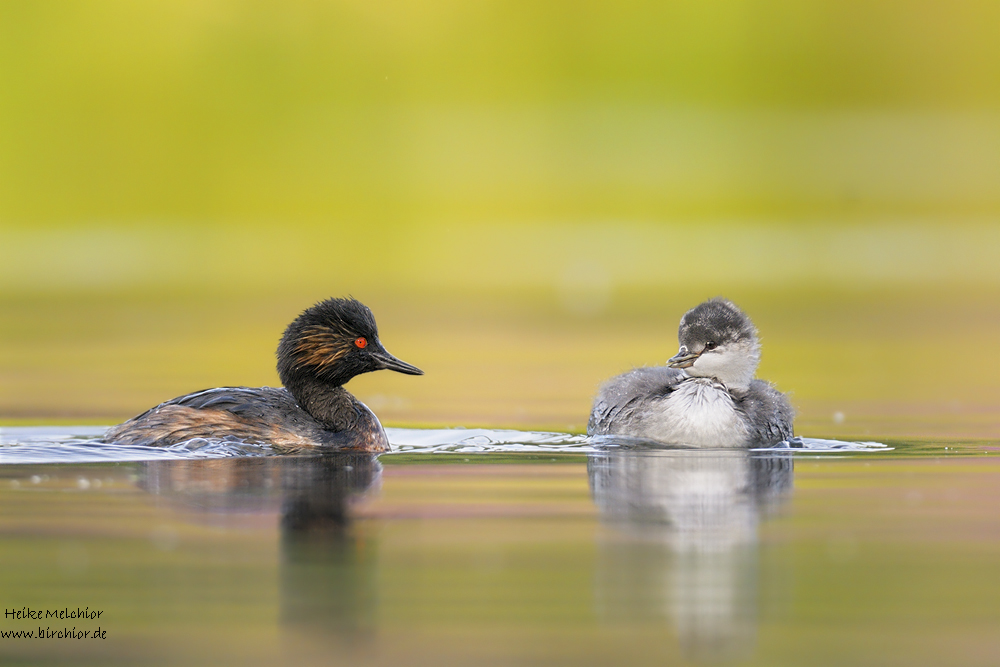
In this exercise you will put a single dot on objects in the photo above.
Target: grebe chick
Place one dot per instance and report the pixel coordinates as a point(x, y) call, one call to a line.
point(321, 350)
point(706, 395)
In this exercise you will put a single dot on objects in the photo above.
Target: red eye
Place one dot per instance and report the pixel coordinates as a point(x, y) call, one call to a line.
point(361, 342)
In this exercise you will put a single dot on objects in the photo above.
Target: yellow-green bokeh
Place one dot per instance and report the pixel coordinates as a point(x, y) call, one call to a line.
point(528, 195)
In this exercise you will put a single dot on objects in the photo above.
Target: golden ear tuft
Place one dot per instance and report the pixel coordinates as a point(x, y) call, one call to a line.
point(320, 347)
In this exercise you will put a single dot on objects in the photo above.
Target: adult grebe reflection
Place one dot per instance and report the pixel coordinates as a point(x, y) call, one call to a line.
point(680, 541)
point(328, 563)
point(309, 492)
point(329, 587)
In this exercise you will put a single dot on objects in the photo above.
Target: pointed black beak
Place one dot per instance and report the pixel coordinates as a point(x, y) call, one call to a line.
point(388, 362)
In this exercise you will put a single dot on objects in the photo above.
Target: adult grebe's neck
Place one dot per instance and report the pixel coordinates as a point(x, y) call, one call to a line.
point(331, 405)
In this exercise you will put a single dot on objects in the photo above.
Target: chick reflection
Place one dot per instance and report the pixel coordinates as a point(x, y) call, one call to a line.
point(327, 570)
point(681, 542)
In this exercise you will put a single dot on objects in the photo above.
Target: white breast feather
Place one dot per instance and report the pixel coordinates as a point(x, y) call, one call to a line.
point(699, 412)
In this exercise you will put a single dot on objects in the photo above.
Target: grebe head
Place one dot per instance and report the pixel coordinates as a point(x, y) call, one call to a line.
point(332, 342)
point(718, 340)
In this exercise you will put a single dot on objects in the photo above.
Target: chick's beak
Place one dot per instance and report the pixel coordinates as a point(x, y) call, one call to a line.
point(683, 358)
point(388, 362)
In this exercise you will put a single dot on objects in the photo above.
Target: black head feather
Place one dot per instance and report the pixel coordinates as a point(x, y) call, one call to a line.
point(348, 317)
point(321, 342)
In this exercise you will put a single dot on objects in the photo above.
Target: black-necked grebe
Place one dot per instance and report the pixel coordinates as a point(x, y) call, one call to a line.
point(706, 395)
point(320, 351)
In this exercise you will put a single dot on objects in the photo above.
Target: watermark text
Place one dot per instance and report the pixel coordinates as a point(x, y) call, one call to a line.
point(49, 632)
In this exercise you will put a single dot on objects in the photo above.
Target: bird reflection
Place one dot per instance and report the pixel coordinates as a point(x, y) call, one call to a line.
point(328, 563)
point(680, 541)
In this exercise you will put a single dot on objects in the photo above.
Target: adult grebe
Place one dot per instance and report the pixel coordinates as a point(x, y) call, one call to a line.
point(320, 351)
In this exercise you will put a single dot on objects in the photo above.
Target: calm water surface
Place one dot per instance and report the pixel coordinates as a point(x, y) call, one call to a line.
point(502, 548)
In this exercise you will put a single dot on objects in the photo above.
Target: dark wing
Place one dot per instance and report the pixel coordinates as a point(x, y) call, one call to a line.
point(264, 415)
point(769, 413)
point(621, 396)
point(242, 413)
point(247, 402)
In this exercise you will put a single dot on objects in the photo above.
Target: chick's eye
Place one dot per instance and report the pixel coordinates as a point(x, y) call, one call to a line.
point(710, 345)
point(360, 342)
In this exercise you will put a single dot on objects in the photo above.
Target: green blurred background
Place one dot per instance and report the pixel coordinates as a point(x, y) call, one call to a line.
point(528, 194)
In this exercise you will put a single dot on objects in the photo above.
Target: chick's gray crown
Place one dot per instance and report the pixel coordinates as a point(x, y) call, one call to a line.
point(717, 321)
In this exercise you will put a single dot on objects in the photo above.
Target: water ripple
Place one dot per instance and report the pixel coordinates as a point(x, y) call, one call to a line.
point(81, 444)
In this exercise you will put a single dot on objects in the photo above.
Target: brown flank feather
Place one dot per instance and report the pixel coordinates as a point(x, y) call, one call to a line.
point(173, 424)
